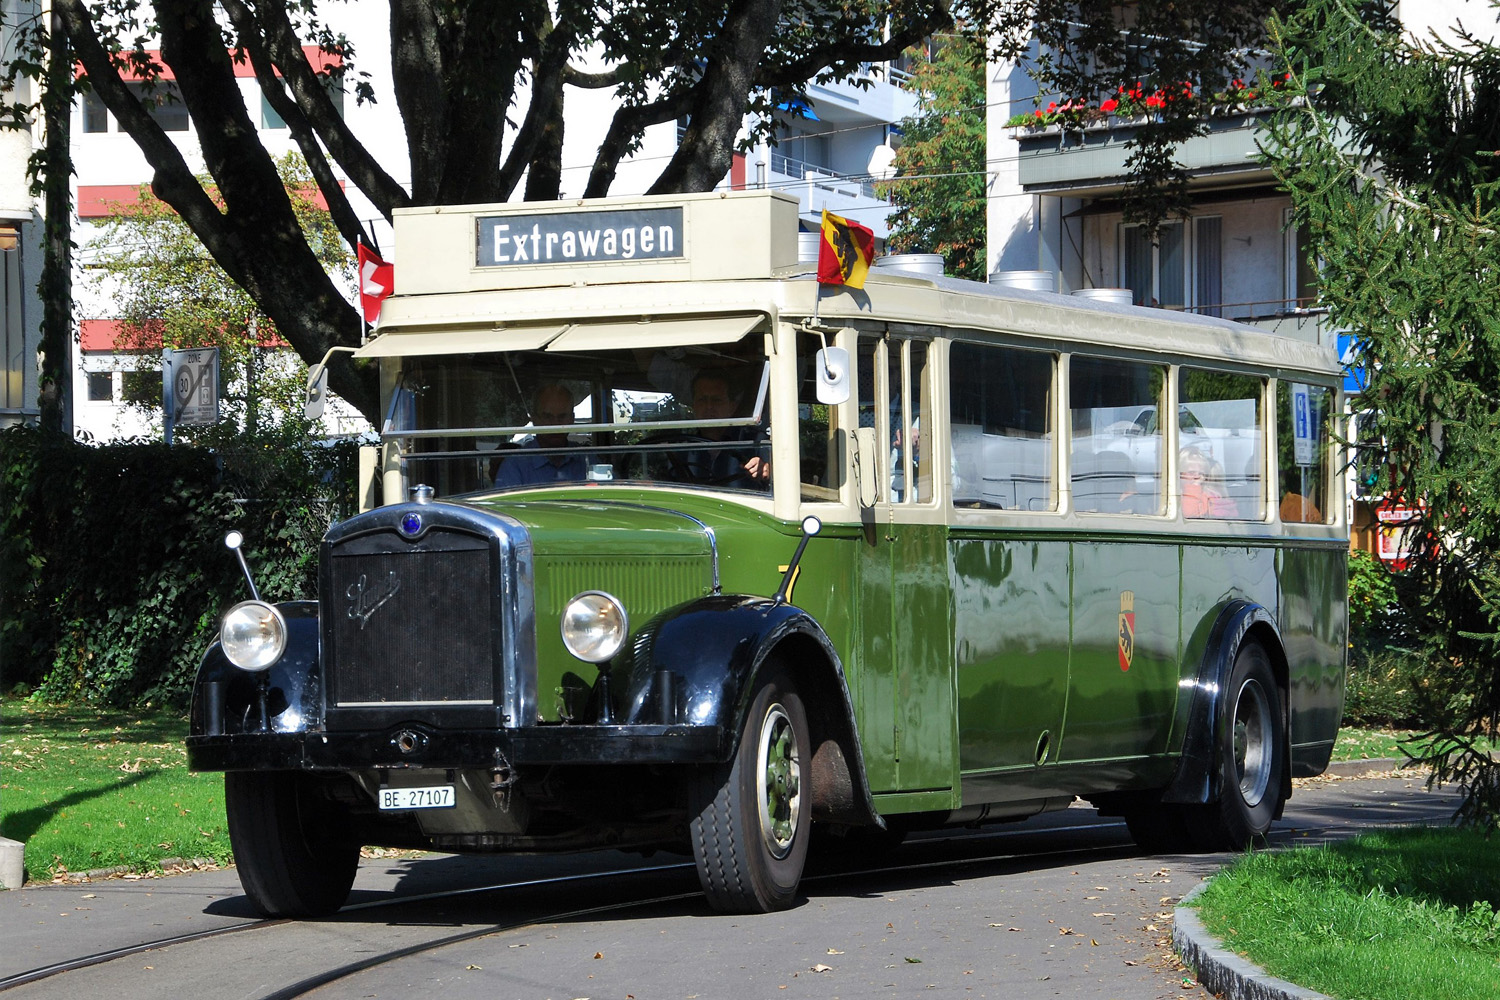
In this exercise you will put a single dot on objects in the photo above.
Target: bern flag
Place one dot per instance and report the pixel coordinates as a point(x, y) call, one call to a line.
point(377, 279)
point(845, 252)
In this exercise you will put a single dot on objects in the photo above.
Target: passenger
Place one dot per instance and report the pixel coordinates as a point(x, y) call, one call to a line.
point(553, 405)
point(713, 399)
point(1202, 482)
point(1298, 509)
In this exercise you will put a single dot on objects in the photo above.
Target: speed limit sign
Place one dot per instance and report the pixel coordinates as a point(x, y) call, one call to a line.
point(190, 380)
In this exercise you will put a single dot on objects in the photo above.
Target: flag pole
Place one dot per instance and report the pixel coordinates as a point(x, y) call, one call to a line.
point(359, 289)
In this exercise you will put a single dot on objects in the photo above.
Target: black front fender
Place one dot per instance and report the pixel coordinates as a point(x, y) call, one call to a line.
point(286, 698)
point(698, 664)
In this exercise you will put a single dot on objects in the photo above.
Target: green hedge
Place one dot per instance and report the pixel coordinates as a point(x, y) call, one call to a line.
point(113, 571)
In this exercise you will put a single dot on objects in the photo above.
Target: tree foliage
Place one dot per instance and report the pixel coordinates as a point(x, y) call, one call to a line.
point(1387, 145)
point(480, 86)
point(1097, 50)
point(939, 193)
point(166, 291)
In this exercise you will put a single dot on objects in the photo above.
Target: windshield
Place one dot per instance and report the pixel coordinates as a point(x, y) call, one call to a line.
point(510, 420)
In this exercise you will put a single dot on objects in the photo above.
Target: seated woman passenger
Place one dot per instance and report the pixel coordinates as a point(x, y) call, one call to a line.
point(1202, 482)
point(553, 405)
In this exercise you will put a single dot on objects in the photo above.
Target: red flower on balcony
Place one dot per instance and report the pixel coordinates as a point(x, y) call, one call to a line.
point(1156, 100)
point(1109, 106)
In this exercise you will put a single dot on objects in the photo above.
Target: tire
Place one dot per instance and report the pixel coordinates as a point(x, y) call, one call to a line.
point(292, 847)
point(751, 817)
point(1252, 758)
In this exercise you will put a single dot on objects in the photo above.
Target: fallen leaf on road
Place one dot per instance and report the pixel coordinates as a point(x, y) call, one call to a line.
point(820, 967)
point(834, 951)
point(915, 961)
point(598, 954)
point(474, 968)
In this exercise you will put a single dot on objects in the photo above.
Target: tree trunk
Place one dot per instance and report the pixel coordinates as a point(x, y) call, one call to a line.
point(55, 381)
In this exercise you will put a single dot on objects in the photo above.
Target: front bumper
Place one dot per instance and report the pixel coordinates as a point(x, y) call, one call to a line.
point(408, 745)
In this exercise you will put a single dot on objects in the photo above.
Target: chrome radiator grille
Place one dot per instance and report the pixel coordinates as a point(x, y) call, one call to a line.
point(410, 624)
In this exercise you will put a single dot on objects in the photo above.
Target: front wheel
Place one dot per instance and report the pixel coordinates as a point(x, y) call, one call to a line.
point(1252, 756)
point(292, 847)
point(751, 816)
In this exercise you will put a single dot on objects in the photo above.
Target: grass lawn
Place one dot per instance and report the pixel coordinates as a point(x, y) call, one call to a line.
point(87, 789)
point(1387, 916)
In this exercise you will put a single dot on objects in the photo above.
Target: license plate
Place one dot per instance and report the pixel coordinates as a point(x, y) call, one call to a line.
point(431, 797)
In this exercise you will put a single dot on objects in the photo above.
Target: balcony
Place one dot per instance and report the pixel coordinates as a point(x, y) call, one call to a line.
point(818, 187)
point(1090, 162)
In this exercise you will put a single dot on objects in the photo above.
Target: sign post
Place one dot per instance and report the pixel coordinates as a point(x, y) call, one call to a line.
point(190, 388)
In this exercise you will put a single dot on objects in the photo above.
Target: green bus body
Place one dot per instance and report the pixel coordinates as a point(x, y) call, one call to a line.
point(948, 648)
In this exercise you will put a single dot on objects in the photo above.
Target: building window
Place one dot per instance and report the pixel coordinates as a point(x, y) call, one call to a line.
point(1208, 265)
point(13, 334)
point(1156, 275)
point(1300, 280)
point(1160, 276)
point(95, 115)
point(101, 387)
point(163, 103)
point(269, 119)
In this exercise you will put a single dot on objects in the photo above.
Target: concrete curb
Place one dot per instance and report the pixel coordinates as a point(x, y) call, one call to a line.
point(1221, 972)
point(12, 863)
point(1377, 765)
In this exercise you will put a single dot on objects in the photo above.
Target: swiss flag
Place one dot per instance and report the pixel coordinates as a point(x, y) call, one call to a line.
point(377, 279)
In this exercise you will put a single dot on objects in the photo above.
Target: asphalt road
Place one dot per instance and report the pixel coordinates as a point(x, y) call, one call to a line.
point(1063, 905)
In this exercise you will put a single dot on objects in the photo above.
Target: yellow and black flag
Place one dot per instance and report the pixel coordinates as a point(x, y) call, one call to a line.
point(845, 253)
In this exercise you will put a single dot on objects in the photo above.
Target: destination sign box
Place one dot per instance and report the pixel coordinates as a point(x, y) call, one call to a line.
point(579, 237)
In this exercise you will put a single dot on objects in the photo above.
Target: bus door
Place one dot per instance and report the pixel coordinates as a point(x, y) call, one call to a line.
point(906, 681)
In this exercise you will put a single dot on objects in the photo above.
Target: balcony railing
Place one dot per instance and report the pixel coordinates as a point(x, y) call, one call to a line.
point(822, 177)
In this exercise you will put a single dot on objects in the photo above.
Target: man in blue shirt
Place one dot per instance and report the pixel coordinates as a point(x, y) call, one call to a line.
point(553, 406)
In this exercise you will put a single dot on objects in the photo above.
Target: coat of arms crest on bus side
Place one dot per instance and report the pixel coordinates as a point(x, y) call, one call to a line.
point(1127, 628)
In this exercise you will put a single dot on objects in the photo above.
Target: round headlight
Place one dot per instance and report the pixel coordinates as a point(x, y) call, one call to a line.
point(253, 635)
point(594, 625)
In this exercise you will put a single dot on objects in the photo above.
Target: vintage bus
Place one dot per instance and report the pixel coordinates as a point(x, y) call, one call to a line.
point(668, 547)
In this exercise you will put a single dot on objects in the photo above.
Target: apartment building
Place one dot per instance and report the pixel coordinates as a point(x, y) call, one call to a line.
point(1055, 205)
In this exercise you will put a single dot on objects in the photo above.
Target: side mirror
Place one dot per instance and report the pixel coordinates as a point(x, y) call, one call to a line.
point(833, 375)
point(317, 392)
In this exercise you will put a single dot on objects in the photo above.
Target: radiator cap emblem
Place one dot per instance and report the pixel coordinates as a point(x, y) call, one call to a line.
point(411, 524)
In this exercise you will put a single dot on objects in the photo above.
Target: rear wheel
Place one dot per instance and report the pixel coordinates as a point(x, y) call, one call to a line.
point(292, 847)
point(1252, 756)
point(751, 817)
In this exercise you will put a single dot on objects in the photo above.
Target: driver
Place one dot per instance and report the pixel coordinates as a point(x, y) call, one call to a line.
point(553, 405)
point(713, 399)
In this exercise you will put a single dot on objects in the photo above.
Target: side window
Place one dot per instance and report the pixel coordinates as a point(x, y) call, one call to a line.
point(1116, 436)
point(911, 435)
point(1303, 420)
point(1001, 419)
point(1220, 435)
point(817, 428)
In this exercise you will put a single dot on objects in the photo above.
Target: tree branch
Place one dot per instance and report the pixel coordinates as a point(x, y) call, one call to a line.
point(339, 208)
point(285, 51)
